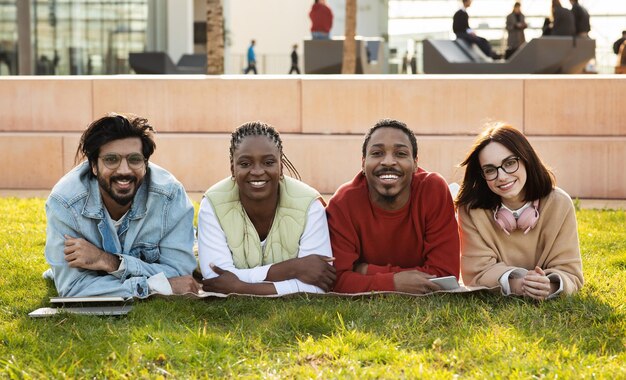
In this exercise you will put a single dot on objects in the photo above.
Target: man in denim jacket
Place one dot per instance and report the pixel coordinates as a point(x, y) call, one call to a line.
point(117, 224)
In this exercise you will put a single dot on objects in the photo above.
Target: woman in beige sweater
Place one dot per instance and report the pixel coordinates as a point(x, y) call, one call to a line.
point(518, 230)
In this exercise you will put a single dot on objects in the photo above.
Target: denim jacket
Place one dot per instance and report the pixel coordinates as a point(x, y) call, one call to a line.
point(156, 235)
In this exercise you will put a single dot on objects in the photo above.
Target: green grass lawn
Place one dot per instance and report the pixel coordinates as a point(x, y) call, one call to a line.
point(477, 335)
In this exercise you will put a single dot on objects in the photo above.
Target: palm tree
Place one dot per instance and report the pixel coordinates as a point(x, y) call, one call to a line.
point(214, 37)
point(349, 44)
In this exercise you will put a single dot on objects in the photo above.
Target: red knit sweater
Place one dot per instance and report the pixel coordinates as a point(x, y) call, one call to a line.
point(423, 235)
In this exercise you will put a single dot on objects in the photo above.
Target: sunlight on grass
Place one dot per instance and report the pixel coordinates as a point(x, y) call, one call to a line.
point(478, 335)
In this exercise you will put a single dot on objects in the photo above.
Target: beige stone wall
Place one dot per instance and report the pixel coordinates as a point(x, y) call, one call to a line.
point(577, 123)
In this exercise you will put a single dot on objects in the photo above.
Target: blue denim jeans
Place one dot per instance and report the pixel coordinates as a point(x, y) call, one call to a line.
point(320, 36)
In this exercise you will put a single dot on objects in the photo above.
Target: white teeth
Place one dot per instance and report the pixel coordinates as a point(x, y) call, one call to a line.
point(506, 186)
point(388, 176)
point(257, 183)
point(126, 182)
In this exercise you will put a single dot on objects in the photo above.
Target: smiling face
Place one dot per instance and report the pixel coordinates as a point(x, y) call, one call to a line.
point(257, 169)
point(119, 186)
point(509, 187)
point(389, 166)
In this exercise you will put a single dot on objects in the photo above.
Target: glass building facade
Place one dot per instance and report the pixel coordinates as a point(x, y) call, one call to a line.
point(8, 37)
point(75, 37)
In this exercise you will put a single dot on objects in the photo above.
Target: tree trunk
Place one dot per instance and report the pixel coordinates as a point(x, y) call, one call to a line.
point(349, 45)
point(214, 37)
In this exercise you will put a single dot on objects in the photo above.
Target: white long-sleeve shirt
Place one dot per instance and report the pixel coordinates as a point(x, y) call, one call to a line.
point(213, 248)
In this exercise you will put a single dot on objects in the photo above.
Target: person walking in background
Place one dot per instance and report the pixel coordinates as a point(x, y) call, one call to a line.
point(405, 62)
point(294, 60)
point(321, 20)
point(515, 25)
point(251, 59)
point(460, 27)
point(581, 19)
point(518, 230)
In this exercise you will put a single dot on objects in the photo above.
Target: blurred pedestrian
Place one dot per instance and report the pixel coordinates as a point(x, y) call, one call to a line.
point(294, 60)
point(515, 25)
point(251, 59)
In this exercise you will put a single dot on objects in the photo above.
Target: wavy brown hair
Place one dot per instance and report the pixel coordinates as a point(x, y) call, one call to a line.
point(475, 193)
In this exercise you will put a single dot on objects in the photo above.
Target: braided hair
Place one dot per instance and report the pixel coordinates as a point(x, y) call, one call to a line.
point(258, 128)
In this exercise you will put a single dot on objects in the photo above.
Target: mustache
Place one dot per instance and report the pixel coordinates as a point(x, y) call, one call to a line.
point(387, 171)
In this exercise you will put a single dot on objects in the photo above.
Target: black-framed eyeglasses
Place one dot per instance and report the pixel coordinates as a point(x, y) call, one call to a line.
point(509, 166)
point(114, 160)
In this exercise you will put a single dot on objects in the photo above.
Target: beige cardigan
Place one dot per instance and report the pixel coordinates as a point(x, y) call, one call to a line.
point(487, 252)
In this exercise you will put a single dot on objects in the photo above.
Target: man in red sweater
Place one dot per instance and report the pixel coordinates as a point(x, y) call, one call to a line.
point(321, 20)
point(392, 228)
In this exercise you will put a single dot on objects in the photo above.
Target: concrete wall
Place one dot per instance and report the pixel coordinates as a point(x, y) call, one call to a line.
point(576, 123)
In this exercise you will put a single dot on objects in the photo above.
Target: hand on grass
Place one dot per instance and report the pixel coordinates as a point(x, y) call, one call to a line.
point(536, 284)
point(79, 253)
point(184, 284)
point(414, 281)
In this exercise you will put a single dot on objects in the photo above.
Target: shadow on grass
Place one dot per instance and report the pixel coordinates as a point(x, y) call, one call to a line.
point(591, 325)
point(581, 321)
point(234, 335)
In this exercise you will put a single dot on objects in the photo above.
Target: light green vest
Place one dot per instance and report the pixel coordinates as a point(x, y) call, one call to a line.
point(283, 240)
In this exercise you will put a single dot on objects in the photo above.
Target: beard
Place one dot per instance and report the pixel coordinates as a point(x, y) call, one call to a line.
point(386, 198)
point(121, 198)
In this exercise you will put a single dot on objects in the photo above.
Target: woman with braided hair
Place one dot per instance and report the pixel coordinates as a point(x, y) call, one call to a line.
point(259, 231)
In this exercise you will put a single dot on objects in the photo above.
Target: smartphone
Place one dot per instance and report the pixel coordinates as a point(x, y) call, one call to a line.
point(446, 283)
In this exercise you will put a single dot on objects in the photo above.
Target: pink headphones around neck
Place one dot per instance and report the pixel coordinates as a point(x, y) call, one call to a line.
point(526, 221)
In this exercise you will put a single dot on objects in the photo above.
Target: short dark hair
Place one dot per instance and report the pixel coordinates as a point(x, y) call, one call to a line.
point(114, 126)
point(391, 123)
point(475, 193)
point(258, 128)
